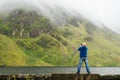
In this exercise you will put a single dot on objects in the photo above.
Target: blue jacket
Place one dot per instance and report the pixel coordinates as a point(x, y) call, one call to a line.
point(83, 51)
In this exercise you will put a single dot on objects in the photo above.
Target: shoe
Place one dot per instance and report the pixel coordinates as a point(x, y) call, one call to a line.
point(89, 72)
point(78, 72)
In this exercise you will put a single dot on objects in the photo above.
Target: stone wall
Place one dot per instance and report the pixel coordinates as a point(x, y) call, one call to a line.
point(59, 77)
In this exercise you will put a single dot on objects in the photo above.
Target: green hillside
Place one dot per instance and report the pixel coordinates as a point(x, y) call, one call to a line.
point(34, 40)
point(102, 51)
point(10, 54)
point(44, 48)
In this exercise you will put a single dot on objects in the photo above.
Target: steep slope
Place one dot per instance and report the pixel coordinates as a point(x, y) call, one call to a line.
point(10, 54)
point(22, 23)
point(45, 48)
point(103, 50)
point(48, 42)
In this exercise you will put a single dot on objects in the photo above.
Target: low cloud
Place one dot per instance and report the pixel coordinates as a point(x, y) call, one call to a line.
point(105, 11)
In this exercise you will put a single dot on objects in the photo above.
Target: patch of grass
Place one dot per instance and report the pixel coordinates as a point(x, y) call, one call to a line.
point(10, 54)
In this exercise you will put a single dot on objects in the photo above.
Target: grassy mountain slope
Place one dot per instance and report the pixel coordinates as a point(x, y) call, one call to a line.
point(10, 54)
point(102, 51)
point(43, 48)
point(38, 42)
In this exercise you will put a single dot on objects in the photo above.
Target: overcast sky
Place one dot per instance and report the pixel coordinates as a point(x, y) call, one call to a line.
point(107, 11)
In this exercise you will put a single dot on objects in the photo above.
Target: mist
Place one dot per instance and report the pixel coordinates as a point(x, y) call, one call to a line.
point(98, 11)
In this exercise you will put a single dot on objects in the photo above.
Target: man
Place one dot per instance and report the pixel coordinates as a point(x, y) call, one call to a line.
point(83, 57)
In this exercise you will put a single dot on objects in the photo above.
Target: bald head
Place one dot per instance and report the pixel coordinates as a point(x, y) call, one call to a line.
point(84, 44)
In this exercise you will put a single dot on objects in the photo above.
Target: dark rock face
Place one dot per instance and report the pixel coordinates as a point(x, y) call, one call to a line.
point(110, 77)
point(60, 77)
point(75, 77)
